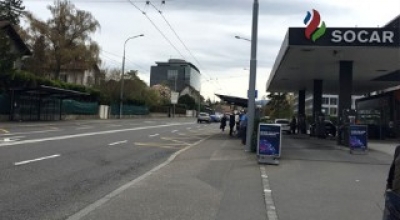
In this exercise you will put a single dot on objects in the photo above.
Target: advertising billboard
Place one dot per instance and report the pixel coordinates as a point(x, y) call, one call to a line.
point(269, 140)
point(358, 137)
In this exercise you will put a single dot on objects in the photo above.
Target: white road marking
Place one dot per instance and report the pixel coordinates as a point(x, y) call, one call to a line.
point(189, 128)
point(12, 138)
point(174, 131)
point(269, 202)
point(85, 127)
point(64, 137)
point(31, 132)
point(154, 135)
point(84, 212)
point(37, 159)
point(114, 125)
point(118, 142)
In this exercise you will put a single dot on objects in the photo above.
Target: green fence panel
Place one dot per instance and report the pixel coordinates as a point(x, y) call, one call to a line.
point(129, 110)
point(72, 107)
point(4, 104)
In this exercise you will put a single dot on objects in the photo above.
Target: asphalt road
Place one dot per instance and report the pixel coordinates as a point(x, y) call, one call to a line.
point(52, 170)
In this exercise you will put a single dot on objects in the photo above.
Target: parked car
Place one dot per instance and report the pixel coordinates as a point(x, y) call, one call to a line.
point(215, 118)
point(285, 124)
point(203, 116)
point(330, 129)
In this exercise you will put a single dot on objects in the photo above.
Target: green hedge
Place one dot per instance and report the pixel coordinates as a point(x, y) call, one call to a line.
point(26, 79)
point(72, 107)
point(4, 104)
point(129, 109)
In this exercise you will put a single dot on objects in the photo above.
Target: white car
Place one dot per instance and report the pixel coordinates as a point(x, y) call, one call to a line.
point(203, 116)
point(285, 124)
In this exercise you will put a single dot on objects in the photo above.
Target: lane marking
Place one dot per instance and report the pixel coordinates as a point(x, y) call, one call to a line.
point(174, 131)
point(4, 131)
point(85, 211)
point(157, 144)
point(85, 127)
point(269, 202)
point(12, 138)
point(30, 132)
point(64, 137)
point(118, 142)
point(154, 135)
point(37, 159)
point(114, 125)
point(188, 128)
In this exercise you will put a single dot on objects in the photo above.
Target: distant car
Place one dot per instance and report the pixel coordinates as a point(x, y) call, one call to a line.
point(285, 124)
point(330, 129)
point(203, 116)
point(215, 118)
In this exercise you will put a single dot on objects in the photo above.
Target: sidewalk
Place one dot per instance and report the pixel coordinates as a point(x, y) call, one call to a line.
point(215, 179)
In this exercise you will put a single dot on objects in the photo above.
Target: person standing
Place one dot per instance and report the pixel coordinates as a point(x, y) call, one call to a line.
point(231, 123)
point(223, 122)
point(392, 194)
point(293, 125)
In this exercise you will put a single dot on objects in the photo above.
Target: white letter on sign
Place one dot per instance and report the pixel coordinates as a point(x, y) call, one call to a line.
point(375, 37)
point(361, 36)
point(388, 36)
point(336, 38)
point(350, 38)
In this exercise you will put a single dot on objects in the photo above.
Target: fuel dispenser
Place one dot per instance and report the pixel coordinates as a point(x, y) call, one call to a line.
point(347, 118)
point(320, 125)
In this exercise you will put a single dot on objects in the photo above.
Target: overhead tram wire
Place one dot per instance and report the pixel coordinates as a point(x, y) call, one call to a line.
point(119, 56)
point(158, 29)
point(179, 38)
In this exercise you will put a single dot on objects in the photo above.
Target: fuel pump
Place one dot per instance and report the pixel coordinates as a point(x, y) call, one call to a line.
point(347, 118)
point(320, 125)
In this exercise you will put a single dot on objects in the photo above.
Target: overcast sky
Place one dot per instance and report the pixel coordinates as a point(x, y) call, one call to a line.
point(208, 27)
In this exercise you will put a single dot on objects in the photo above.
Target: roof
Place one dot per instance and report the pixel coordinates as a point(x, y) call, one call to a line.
point(5, 25)
point(177, 62)
point(51, 91)
point(233, 100)
point(376, 63)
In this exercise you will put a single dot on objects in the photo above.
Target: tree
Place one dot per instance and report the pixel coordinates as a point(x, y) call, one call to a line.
point(278, 106)
point(68, 36)
point(188, 101)
point(10, 10)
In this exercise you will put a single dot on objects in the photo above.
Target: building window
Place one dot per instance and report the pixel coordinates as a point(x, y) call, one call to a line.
point(333, 111)
point(325, 101)
point(172, 74)
point(333, 101)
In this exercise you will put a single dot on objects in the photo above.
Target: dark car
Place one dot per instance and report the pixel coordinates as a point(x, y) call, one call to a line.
point(330, 129)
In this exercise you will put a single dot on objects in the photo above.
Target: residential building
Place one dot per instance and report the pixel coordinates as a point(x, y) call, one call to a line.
point(17, 44)
point(176, 74)
point(79, 73)
point(329, 104)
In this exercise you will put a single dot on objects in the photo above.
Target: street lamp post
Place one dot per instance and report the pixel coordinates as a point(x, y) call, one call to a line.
point(252, 77)
point(242, 38)
point(252, 80)
point(123, 75)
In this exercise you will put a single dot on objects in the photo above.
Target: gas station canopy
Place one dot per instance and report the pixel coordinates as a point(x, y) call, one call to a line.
point(374, 53)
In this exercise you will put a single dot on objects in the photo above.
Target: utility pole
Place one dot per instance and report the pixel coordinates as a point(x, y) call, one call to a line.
point(121, 95)
point(252, 80)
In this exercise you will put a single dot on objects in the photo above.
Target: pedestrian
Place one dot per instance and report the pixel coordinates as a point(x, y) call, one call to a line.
point(243, 127)
point(223, 123)
point(293, 125)
point(392, 194)
point(231, 123)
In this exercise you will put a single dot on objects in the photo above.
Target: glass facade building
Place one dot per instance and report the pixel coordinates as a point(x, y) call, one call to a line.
point(176, 74)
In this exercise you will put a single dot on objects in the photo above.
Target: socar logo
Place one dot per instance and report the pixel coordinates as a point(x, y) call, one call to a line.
point(313, 30)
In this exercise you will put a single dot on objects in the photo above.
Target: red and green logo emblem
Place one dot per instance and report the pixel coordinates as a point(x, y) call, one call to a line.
point(315, 28)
